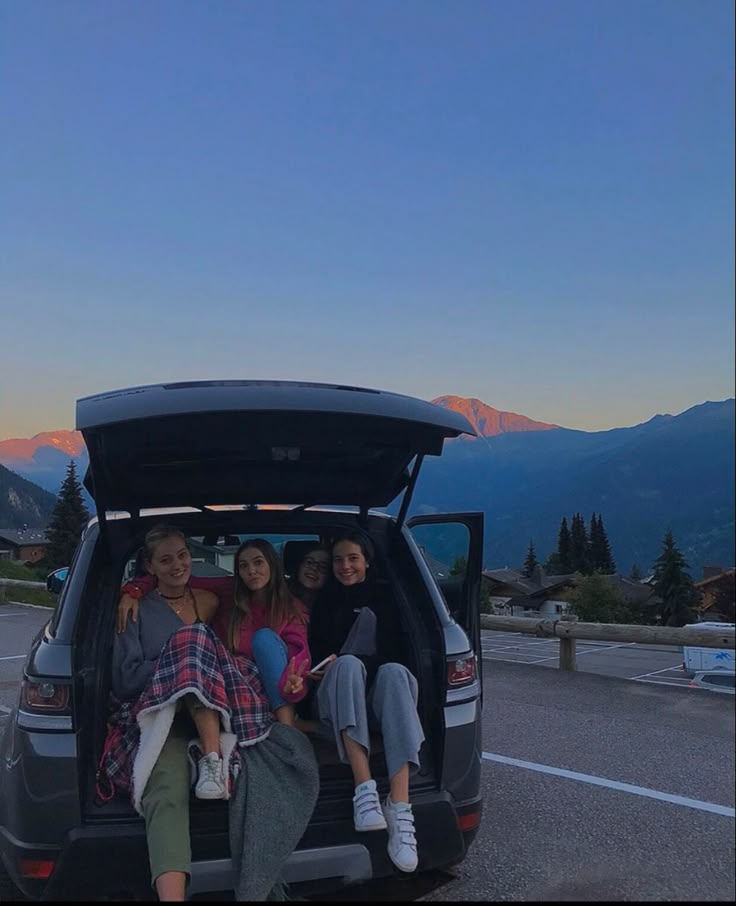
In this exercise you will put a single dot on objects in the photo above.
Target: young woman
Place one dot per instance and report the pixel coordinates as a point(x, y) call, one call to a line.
point(311, 574)
point(268, 625)
point(171, 604)
point(363, 688)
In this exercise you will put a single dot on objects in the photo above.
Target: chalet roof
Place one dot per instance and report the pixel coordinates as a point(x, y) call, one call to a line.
point(536, 585)
point(727, 571)
point(22, 537)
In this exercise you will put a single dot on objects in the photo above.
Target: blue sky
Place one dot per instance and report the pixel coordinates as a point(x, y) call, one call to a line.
point(531, 203)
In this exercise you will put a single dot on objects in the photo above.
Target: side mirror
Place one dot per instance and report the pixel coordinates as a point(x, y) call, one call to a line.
point(55, 580)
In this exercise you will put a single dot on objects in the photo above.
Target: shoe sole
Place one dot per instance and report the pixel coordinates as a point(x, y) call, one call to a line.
point(209, 794)
point(373, 827)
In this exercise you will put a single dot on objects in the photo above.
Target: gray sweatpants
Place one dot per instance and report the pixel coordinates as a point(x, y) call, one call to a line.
point(389, 708)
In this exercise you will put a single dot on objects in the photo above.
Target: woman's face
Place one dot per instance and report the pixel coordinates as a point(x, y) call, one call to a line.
point(253, 569)
point(313, 570)
point(348, 563)
point(171, 562)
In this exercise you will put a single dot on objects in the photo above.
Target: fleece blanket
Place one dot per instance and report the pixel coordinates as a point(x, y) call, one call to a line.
point(193, 661)
point(272, 803)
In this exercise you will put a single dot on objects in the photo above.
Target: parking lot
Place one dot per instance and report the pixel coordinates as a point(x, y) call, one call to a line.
point(641, 663)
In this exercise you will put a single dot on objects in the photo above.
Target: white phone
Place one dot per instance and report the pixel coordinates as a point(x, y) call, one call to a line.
point(321, 664)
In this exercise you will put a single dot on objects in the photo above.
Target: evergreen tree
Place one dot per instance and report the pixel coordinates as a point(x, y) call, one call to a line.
point(579, 544)
point(601, 558)
point(564, 550)
point(531, 561)
point(67, 520)
point(636, 574)
point(674, 585)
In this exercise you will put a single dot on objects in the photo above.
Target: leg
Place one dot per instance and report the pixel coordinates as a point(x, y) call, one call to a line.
point(342, 707)
point(393, 701)
point(165, 805)
point(271, 657)
point(207, 723)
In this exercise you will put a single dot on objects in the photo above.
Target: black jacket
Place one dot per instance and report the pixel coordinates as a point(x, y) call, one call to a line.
point(334, 613)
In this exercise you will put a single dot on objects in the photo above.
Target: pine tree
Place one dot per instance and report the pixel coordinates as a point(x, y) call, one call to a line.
point(601, 558)
point(564, 549)
point(68, 519)
point(636, 574)
point(531, 561)
point(579, 544)
point(674, 585)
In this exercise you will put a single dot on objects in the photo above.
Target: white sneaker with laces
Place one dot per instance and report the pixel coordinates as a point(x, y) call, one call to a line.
point(402, 843)
point(211, 782)
point(367, 814)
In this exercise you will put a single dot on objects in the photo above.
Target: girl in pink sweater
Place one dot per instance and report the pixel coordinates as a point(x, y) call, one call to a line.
point(267, 624)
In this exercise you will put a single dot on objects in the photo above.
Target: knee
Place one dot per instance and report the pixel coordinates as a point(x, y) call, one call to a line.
point(394, 675)
point(264, 640)
point(349, 664)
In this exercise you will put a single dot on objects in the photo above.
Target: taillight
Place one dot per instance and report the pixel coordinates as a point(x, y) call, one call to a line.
point(461, 671)
point(36, 868)
point(44, 697)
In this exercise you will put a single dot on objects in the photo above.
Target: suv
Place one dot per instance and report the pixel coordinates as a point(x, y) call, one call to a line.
point(226, 460)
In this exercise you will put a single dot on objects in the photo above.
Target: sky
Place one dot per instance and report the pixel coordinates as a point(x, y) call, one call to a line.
point(527, 202)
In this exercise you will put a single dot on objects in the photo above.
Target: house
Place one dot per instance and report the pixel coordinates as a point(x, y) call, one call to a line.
point(717, 590)
point(27, 545)
point(513, 594)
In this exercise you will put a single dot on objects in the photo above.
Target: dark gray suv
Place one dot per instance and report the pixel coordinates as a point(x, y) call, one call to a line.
point(226, 460)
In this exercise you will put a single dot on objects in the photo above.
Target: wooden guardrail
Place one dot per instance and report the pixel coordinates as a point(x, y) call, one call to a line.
point(6, 584)
point(569, 630)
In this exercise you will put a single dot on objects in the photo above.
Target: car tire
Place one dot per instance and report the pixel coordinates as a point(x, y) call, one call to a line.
point(9, 893)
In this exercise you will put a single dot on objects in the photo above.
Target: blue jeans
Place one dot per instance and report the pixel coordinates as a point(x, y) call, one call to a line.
point(271, 657)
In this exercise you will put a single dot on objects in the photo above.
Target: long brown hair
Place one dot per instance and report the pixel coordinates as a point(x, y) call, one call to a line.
point(281, 606)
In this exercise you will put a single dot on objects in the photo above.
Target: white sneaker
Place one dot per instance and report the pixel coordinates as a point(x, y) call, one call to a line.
point(402, 844)
point(367, 814)
point(211, 783)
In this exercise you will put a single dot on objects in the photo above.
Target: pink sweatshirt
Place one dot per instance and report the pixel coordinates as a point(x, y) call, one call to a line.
point(293, 634)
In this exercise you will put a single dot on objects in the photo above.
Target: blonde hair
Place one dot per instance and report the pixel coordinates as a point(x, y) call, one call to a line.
point(156, 535)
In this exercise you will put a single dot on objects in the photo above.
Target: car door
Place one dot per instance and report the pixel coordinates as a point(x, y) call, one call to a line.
point(452, 545)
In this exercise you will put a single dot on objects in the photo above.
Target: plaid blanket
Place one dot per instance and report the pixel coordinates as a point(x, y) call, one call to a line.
point(193, 661)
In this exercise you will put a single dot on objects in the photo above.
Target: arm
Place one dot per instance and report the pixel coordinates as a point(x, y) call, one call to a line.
point(130, 669)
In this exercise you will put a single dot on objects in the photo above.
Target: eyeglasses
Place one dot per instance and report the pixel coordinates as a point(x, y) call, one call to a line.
point(319, 565)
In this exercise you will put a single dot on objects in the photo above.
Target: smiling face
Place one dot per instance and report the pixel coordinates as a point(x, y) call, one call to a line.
point(314, 569)
point(348, 563)
point(254, 569)
point(171, 563)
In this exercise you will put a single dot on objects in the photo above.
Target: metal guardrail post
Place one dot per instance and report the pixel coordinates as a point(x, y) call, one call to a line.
point(568, 645)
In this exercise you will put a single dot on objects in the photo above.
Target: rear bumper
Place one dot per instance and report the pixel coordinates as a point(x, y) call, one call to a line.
point(112, 859)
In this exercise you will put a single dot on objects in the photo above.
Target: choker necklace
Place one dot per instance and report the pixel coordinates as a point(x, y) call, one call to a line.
point(173, 597)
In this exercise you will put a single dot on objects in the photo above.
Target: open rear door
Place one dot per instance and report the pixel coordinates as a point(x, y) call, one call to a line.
point(452, 544)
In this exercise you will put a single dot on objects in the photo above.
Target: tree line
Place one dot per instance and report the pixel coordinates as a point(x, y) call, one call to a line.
point(587, 552)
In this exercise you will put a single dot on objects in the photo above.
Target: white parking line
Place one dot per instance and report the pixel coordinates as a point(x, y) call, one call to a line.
point(655, 672)
point(5, 709)
point(615, 785)
point(15, 613)
point(589, 651)
point(12, 657)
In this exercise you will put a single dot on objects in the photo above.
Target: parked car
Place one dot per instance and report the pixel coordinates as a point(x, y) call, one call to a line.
point(715, 680)
point(225, 461)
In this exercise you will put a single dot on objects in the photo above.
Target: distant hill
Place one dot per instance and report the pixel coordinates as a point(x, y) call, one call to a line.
point(22, 502)
point(673, 471)
point(670, 472)
point(44, 457)
point(486, 420)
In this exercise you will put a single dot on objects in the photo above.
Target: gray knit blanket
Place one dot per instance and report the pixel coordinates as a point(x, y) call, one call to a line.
point(270, 808)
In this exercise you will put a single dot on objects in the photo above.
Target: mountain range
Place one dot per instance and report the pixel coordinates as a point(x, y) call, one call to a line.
point(673, 471)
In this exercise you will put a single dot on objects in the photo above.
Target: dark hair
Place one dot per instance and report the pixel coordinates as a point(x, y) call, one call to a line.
point(156, 535)
point(280, 604)
point(363, 541)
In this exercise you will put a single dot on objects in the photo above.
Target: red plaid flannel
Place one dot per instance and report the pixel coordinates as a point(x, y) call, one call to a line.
point(192, 659)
